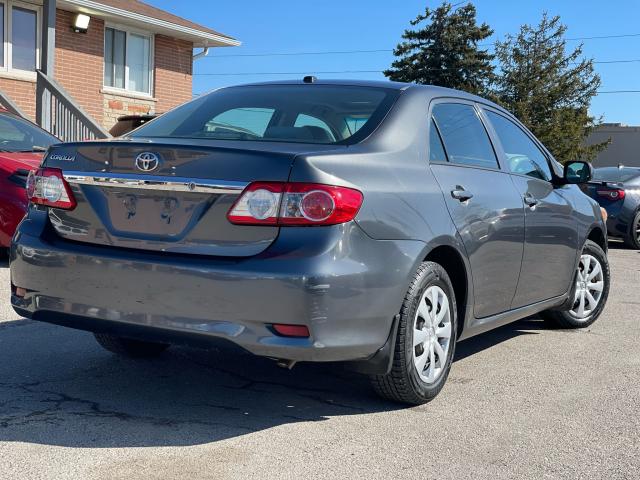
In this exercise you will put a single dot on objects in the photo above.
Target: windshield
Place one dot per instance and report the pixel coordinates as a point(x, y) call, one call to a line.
point(327, 114)
point(17, 135)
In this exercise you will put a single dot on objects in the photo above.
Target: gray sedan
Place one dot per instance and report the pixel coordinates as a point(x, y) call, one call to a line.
point(363, 222)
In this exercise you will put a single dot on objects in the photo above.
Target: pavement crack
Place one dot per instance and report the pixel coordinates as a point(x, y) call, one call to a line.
point(61, 404)
point(6, 325)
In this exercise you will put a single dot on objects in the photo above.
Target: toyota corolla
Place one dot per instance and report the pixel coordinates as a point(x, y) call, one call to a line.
point(314, 221)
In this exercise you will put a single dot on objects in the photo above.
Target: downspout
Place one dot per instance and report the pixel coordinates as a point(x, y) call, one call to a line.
point(202, 54)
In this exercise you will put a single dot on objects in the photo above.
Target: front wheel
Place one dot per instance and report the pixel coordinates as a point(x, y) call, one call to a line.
point(632, 240)
point(425, 341)
point(592, 282)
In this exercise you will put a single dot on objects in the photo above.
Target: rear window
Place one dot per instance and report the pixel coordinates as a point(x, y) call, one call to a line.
point(326, 114)
point(17, 135)
point(616, 175)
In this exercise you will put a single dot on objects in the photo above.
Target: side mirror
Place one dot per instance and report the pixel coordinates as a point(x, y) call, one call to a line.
point(578, 172)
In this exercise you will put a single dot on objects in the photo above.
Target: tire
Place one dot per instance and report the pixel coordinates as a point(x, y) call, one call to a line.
point(4, 253)
point(404, 383)
point(128, 347)
point(569, 317)
point(632, 240)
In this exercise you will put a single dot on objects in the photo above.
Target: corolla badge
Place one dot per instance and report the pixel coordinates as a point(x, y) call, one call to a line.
point(57, 157)
point(147, 162)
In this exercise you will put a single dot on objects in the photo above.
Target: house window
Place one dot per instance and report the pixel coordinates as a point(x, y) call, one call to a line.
point(19, 28)
point(127, 60)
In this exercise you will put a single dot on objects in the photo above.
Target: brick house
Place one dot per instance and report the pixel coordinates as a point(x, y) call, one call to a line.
point(130, 58)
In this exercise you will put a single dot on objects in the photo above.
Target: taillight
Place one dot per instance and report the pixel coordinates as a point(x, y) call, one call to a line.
point(283, 330)
point(304, 204)
point(611, 193)
point(47, 186)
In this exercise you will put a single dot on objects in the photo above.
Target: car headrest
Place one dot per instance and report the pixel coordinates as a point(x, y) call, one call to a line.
point(308, 132)
point(288, 133)
point(319, 133)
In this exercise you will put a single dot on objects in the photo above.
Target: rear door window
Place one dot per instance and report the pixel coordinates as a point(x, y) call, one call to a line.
point(522, 154)
point(616, 174)
point(436, 150)
point(464, 135)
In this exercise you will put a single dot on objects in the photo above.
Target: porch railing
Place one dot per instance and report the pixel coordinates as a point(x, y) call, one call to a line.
point(57, 113)
point(10, 105)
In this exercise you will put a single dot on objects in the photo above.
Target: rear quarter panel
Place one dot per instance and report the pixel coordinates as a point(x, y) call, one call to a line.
point(13, 207)
point(402, 199)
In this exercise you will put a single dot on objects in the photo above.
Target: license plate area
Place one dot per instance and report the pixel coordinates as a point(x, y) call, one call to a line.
point(154, 213)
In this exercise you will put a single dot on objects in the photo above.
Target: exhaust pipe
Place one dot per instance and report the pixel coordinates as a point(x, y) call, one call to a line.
point(284, 363)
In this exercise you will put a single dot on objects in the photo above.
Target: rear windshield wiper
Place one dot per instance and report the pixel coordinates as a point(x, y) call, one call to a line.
point(35, 148)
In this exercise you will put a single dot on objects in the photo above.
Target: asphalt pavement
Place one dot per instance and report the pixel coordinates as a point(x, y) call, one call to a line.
point(522, 401)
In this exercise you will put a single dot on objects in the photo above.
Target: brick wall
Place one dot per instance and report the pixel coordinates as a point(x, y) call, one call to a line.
point(173, 73)
point(23, 94)
point(118, 105)
point(79, 62)
point(79, 68)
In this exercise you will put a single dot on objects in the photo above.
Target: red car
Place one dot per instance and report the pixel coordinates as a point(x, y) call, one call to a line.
point(22, 146)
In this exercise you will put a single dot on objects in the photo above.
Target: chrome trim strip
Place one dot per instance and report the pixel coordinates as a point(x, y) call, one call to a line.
point(152, 182)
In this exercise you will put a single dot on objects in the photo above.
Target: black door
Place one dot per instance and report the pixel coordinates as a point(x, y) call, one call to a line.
point(483, 202)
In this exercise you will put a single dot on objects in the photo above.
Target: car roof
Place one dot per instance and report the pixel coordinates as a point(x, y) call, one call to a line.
point(341, 82)
point(428, 90)
point(368, 83)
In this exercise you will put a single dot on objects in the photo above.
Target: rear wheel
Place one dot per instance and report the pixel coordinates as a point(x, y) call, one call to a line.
point(591, 290)
point(425, 341)
point(632, 239)
point(128, 347)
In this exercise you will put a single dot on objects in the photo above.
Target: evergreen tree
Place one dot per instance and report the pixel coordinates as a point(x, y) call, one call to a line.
point(445, 50)
point(548, 88)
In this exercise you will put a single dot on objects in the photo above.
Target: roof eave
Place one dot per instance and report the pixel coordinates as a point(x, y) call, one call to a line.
point(198, 37)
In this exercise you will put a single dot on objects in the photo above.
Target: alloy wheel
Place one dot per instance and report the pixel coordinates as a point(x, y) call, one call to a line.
point(432, 334)
point(589, 287)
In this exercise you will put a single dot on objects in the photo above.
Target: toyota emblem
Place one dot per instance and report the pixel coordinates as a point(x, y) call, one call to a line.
point(147, 162)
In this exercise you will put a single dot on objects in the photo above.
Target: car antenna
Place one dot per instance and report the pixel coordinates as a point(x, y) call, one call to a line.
point(310, 79)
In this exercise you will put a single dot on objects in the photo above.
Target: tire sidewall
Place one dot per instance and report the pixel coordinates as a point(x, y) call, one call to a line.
point(432, 275)
point(632, 238)
point(593, 249)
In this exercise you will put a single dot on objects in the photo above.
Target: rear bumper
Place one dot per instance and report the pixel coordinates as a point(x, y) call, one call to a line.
point(620, 219)
point(343, 285)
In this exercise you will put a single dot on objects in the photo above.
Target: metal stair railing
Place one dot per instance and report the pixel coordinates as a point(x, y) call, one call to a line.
point(60, 115)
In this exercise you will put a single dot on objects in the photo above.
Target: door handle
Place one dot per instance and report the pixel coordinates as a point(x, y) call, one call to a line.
point(530, 200)
point(459, 193)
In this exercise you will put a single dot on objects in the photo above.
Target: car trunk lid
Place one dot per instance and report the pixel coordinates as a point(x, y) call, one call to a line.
point(166, 196)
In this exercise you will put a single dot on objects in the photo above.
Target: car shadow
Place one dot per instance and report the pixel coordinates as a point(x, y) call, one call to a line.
point(57, 387)
point(474, 345)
